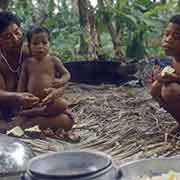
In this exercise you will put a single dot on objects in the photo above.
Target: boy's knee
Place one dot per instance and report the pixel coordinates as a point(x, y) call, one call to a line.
point(170, 92)
point(61, 104)
point(67, 122)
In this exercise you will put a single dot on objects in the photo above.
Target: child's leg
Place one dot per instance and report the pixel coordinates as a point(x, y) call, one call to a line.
point(171, 97)
point(54, 108)
point(61, 121)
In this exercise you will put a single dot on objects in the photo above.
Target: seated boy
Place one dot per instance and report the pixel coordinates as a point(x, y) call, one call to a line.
point(166, 87)
point(39, 77)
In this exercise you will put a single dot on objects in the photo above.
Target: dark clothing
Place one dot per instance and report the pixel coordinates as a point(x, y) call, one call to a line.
point(162, 62)
point(7, 112)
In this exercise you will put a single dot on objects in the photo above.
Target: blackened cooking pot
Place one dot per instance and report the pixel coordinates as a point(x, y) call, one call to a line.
point(76, 165)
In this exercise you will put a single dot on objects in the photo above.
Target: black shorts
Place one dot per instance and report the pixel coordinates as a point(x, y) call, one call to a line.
point(7, 113)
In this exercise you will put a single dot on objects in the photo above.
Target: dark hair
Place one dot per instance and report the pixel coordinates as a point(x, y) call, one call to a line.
point(35, 30)
point(175, 19)
point(7, 18)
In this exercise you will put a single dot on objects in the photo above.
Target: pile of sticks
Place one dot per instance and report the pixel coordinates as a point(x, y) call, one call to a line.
point(123, 122)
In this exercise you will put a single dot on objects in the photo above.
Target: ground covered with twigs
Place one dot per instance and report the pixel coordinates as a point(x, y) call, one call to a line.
point(122, 121)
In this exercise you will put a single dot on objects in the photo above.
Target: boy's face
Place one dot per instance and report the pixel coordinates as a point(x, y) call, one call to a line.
point(171, 40)
point(11, 37)
point(39, 44)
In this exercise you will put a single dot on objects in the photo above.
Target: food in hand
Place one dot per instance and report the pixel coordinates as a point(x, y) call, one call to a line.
point(167, 70)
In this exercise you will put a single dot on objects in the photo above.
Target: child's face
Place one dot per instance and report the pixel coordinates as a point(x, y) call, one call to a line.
point(39, 44)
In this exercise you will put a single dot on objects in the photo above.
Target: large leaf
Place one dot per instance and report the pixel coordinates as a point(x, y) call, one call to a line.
point(128, 19)
point(121, 4)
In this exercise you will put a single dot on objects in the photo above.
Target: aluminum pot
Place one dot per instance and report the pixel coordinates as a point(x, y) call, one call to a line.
point(74, 165)
point(14, 156)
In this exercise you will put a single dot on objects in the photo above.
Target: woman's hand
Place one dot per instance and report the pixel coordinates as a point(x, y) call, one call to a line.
point(27, 100)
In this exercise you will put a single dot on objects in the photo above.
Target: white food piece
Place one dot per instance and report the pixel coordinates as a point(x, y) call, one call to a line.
point(168, 70)
point(17, 131)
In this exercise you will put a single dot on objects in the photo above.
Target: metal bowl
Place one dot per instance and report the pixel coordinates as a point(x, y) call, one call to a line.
point(150, 167)
point(14, 156)
point(72, 165)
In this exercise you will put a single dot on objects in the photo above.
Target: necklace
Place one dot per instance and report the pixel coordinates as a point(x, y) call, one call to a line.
point(6, 61)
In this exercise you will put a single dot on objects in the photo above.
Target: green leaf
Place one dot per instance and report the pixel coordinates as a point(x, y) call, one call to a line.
point(121, 4)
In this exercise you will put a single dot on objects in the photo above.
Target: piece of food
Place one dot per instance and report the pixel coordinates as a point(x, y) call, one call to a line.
point(17, 131)
point(34, 128)
point(33, 132)
point(168, 70)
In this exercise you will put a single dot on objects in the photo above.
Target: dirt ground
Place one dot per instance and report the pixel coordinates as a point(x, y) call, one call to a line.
point(123, 122)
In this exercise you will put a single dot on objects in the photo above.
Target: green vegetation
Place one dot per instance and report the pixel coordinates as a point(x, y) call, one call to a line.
point(113, 29)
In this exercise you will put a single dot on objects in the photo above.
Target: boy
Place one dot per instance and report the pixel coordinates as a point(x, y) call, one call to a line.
point(38, 76)
point(166, 88)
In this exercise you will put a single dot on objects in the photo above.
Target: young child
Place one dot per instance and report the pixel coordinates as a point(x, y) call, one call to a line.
point(39, 76)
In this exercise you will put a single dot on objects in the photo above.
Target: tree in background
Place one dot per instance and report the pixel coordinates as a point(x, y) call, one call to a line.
point(4, 4)
point(114, 29)
point(88, 36)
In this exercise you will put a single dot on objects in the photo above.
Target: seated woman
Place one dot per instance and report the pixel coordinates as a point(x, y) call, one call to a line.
point(12, 55)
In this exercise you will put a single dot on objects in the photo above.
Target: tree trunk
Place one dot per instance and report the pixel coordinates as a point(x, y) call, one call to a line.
point(4, 5)
point(88, 35)
point(163, 1)
point(115, 33)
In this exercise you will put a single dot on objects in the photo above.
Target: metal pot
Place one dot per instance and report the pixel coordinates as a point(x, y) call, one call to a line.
point(14, 156)
point(76, 165)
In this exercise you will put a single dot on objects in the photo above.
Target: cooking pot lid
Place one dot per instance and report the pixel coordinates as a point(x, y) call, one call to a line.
point(68, 164)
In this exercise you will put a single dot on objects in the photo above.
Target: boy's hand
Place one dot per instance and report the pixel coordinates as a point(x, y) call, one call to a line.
point(52, 94)
point(57, 83)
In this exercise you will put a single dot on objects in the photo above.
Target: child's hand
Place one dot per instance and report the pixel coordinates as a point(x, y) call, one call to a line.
point(156, 72)
point(57, 83)
point(52, 94)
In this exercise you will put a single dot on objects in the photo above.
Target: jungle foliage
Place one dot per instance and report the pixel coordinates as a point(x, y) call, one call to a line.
point(110, 29)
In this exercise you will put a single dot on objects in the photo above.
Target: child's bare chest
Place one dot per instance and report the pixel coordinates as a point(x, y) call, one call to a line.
point(40, 69)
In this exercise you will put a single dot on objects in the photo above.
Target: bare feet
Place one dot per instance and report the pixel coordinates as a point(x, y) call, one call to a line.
point(69, 136)
point(62, 135)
